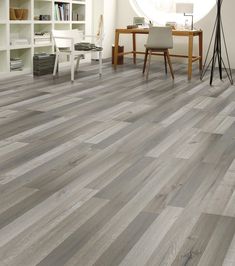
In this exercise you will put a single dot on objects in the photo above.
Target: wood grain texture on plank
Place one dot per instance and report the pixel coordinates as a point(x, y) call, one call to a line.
point(115, 170)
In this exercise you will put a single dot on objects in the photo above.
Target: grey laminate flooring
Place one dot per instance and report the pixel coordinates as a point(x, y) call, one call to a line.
point(117, 170)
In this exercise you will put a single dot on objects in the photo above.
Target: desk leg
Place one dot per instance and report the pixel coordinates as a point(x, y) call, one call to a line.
point(190, 56)
point(116, 49)
point(200, 50)
point(134, 47)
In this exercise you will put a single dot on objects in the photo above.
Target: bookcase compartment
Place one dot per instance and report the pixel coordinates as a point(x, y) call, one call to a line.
point(20, 35)
point(46, 35)
point(62, 11)
point(22, 4)
point(42, 9)
point(42, 27)
point(24, 55)
point(79, 26)
point(78, 12)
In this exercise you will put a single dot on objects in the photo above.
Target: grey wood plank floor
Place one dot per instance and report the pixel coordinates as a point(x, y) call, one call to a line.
point(116, 170)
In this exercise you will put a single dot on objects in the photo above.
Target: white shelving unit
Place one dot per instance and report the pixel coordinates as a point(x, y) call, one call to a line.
point(79, 17)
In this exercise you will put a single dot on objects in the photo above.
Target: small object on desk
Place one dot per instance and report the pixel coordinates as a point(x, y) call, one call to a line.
point(138, 21)
point(171, 24)
point(132, 26)
point(143, 26)
point(187, 25)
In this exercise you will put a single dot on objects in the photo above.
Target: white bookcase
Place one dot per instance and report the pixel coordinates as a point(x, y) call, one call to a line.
point(79, 17)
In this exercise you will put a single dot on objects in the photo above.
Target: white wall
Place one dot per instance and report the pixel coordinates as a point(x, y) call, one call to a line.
point(125, 14)
point(108, 8)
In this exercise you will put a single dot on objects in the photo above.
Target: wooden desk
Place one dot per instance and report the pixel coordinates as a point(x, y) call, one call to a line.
point(190, 34)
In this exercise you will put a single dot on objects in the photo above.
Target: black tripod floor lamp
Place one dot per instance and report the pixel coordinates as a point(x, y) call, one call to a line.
point(218, 36)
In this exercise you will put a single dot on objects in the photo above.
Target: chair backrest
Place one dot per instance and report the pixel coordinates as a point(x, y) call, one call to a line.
point(160, 38)
point(74, 34)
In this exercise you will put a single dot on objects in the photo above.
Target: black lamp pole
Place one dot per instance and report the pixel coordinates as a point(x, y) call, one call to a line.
point(218, 34)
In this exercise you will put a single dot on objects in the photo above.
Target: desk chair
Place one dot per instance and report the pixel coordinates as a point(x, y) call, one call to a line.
point(65, 41)
point(159, 40)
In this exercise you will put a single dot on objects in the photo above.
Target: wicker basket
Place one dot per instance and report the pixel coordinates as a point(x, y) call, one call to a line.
point(43, 64)
point(19, 13)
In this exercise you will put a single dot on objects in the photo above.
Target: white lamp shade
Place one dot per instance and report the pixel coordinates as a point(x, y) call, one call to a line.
point(184, 8)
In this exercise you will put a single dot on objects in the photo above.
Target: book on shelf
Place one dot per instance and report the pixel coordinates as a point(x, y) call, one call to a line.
point(22, 41)
point(62, 11)
point(16, 64)
point(42, 37)
point(42, 34)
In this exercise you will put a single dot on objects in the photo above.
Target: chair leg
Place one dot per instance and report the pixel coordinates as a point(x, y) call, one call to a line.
point(72, 67)
point(100, 64)
point(165, 61)
point(145, 60)
point(170, 65)
point(78, 61)
point(150, 54)
point(56, 64)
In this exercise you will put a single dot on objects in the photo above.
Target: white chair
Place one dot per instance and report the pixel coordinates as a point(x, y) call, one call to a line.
point(159, 40)
point(65, 41)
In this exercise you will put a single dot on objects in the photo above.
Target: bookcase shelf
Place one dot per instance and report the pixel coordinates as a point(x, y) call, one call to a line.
point(19, 47)
point(26, 29)
point(62, 22)
point(79, 2)
point(18, 22)
point(42, 22)
point(63, 1)
point(78, 22)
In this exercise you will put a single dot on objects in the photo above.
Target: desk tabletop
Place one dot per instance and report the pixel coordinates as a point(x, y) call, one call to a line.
point(174, 32)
